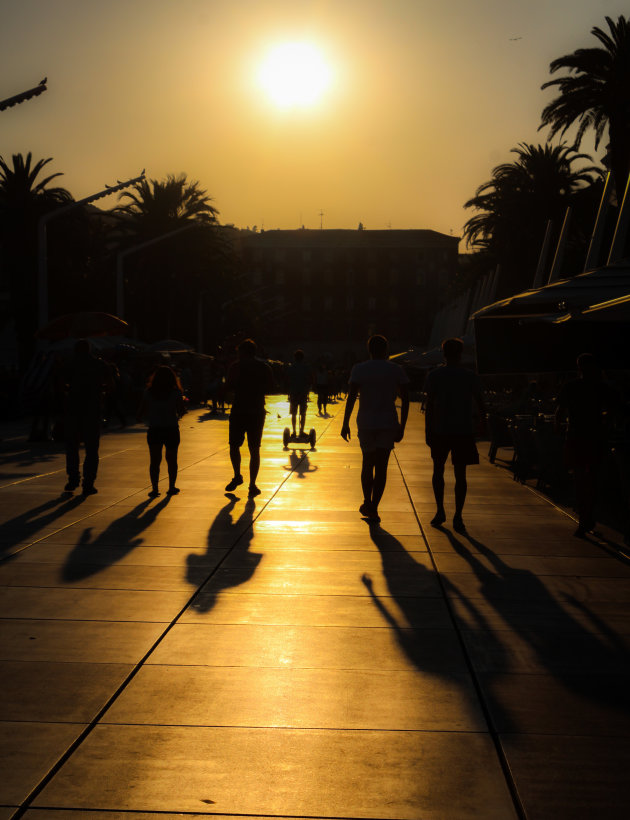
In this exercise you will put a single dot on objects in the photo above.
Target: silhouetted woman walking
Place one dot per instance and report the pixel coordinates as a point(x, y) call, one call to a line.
point(162, 406)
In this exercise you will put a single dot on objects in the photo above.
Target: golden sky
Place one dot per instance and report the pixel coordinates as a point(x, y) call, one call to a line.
point(426, 97)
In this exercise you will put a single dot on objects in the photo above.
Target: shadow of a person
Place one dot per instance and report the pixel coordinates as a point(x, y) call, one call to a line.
point(25, 525)
point(407, 582)
point(120, 537)
point(565, 648)
point(300, 464)
point(200, 570)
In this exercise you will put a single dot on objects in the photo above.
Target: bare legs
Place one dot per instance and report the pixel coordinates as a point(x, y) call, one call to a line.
point(254, 466)
point(155, 459)
point(373, 480)
point(461, 488)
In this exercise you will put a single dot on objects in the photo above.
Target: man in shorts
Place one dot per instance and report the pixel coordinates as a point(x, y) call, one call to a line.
point(377, 382)
point(300, 378)
point(250, 379)
point(451, 392)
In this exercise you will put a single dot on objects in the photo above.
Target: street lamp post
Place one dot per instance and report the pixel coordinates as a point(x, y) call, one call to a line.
point(42, 243)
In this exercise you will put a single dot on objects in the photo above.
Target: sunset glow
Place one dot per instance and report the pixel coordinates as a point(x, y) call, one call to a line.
point(294, 75)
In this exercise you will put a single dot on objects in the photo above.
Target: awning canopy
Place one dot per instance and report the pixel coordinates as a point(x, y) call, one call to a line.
point(544, 330)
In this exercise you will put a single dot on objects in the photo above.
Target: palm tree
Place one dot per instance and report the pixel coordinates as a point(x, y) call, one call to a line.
point(24, 197)
point(596, 93)
point(517, 202)
point(165, 280)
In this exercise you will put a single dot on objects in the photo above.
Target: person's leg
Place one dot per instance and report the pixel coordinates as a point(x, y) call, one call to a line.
point(367, 481)
point(91, 431)
point(254, 438)
point(170, 453)
point(461, 487)
point(293, 415)
point(236, 439)
point(437, 481)
point(381, 460)
point(71, 435)
point(302, 416)
point(155, 458)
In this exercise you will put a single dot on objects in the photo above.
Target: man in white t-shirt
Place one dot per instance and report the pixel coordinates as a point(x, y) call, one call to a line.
point(377, 382)
point(451, 393)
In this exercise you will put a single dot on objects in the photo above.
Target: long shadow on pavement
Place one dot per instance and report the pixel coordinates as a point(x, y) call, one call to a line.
point(27, 524)
point(200, 568)
point(579, 656)
point(118, 539)
point(407, 581)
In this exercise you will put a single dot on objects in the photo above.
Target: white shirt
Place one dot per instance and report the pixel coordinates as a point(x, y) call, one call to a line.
point(378, 381)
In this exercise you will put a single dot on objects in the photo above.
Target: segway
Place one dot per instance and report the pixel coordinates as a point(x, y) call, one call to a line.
point(289, 438)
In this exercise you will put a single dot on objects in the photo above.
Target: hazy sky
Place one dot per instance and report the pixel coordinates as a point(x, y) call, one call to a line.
point(427, 97)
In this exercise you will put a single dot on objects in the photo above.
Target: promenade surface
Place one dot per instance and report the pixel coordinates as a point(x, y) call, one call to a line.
point(205, 655)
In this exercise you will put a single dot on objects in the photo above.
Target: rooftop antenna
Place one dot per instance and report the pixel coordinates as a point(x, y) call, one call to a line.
point(321, 220)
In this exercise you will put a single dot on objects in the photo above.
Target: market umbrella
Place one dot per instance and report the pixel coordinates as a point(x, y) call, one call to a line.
point(87, 324)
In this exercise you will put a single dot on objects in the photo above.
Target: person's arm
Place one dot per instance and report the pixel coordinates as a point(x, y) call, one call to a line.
point(429, 410)
point(353, 392)
point(403, 390)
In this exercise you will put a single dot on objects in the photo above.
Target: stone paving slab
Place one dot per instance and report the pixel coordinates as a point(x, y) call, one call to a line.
point(284, 772)
point(303, 663)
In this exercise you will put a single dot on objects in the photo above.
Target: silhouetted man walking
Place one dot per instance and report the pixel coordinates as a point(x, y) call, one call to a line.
point(250, 379)
point(451, 391)
point(87, 379)
point(377, 382)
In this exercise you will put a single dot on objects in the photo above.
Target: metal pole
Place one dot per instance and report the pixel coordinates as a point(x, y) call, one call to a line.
point(542, 259)
point(592, 257)
point(621, 230)
point(559, 256)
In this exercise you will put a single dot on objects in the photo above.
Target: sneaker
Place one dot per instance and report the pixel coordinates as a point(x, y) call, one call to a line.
point(154, 493)
point(438, 519)
point(172, 491)
point(253, 491)
point(234, 483)
point(72, 484)
point(365, 510)
point(90, 489)
point(458, 523)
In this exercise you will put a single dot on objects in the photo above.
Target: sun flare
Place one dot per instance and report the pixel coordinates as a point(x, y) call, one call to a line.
point(294, 74)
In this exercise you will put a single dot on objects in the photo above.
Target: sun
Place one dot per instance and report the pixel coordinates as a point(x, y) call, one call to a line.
point(294, 75)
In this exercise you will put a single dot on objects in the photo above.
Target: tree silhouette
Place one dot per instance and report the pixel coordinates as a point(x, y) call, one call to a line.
point(164, 281)
point(516, 203)
point(25, 196)
point(596, 93)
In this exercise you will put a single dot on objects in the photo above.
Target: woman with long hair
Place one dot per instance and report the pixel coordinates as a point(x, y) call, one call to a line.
point(162, 407)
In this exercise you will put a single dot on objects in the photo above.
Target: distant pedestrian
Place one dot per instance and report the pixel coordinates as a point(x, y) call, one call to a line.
point(323, 389)
point(162, 406)
point(250, 379)
point(376, 382)
point(86, 380)
point(585, 402)
point(299, 378)
point(451, 393)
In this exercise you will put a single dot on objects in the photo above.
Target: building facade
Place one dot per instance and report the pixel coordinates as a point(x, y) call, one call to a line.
point(343, 285)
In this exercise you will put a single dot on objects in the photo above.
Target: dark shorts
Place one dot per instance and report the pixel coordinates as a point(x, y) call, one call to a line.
point(246, 423)
point(463, 449)
point(163, 437)
point(298, 401)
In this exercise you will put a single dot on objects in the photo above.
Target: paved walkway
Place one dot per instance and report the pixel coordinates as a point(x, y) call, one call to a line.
point(209, 656)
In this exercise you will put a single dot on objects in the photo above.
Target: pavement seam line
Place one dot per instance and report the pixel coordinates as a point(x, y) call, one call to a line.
point(84, 734)
point(492, 731)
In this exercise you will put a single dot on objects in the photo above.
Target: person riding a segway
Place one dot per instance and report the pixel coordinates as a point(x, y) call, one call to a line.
point(300, 379)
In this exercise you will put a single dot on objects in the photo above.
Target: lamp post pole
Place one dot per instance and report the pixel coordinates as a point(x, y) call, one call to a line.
point(42, 243)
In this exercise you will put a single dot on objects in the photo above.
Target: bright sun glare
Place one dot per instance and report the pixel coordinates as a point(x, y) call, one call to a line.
point(294, 74)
